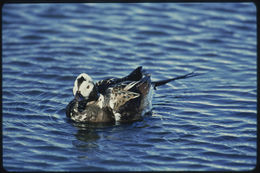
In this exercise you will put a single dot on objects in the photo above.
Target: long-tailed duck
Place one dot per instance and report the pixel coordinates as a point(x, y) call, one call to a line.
point(114, 99)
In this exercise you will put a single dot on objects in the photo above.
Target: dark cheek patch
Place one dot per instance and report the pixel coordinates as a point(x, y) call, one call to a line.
point(80, 80)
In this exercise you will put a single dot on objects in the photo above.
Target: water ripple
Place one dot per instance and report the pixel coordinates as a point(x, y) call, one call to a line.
point(205, 123)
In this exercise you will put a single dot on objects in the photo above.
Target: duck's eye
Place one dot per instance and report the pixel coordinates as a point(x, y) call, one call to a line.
point(88, 87)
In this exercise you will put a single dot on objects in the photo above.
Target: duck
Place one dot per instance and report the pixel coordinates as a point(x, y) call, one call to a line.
point(111, 100)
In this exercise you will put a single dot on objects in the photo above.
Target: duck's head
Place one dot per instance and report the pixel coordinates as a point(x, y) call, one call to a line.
point(84, 88)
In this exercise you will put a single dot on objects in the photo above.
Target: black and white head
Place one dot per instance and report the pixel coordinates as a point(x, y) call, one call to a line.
point(84, 87)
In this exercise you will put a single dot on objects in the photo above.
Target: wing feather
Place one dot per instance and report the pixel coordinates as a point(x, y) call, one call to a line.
point(120, 97)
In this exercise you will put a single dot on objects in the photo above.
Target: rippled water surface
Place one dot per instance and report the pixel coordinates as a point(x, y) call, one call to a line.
point(207, 122)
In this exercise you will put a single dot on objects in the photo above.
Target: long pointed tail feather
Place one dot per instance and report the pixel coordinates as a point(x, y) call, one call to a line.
point(162, 82)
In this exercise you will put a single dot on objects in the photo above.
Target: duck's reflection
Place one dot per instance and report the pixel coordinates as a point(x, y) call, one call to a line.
point(87, 134)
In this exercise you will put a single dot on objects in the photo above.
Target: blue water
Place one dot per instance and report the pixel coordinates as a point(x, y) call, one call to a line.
point(203, 123)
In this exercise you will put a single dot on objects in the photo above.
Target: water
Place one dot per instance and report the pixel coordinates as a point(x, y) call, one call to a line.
point(202, 123)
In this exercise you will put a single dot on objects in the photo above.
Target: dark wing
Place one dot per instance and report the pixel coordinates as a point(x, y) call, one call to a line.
point(126, 98)
point(118, 98)
point(103, 85)
point(135, 75)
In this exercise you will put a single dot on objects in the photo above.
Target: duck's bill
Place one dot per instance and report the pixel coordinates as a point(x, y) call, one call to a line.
point(78, 96)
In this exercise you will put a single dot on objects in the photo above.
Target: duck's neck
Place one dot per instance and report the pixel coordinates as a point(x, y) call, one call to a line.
point(94, 95)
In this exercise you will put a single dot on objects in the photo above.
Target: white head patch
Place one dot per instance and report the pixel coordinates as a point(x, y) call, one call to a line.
point(84, 84)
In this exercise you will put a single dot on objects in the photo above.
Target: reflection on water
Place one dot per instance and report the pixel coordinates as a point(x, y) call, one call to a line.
point(86, 139)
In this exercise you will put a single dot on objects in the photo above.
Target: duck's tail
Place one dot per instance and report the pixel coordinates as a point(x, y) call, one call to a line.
point(162, 82)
